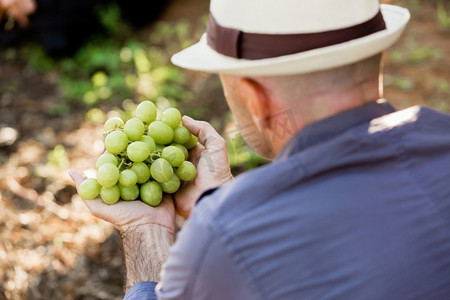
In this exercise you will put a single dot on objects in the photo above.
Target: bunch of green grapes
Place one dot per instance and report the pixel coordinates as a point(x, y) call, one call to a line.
point(144, 158)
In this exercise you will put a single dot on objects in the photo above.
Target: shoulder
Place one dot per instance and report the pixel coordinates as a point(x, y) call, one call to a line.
point(311, 174)
point(413, 129)
point(412, 118)
point(249, 190)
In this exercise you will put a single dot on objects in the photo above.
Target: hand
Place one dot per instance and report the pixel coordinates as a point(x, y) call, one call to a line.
point(130, 215)
point(211, 160)
point(147, 233)
point(18, 9)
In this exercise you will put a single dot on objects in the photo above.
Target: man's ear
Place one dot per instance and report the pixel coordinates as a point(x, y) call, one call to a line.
point(258, 102)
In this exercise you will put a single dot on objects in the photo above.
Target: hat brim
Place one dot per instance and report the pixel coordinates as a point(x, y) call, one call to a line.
point(201, 57)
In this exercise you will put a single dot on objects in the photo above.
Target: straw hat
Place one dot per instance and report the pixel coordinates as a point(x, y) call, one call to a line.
point(268, 37)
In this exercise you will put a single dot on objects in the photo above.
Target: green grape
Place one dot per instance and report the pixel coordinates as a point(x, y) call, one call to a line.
point(106, 158)
point(110, 195)
point(129, 193)
point(113, 124)
point(181, 135)
point(186, 171)
point(151, 193)
point(142, 172)
point(146, 112)
point(171, 117)
point(134, 128)
point(150, 143)
point(89, 189)
point(173, 155)
point(172, 185)
point(161, 170)
point(128, 177)
point(192, 142)
point(116, 142)
point(108, 175)
point(138, 151)
point(182, 148)
point(160, 132)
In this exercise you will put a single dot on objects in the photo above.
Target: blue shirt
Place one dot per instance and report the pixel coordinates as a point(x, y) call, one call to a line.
point(356, 206)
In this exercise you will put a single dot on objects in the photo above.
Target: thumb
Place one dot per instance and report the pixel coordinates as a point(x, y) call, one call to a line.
point(206, 134)
point(77, 177)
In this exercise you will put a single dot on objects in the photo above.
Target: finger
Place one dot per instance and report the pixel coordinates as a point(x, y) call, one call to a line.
point(77, 177)
point(29, 7)
point(22, 20)
point(17, 14)
point(195, 153)
point(6, 4)
point(95, 205)
point(185, 199)
point(206, 134)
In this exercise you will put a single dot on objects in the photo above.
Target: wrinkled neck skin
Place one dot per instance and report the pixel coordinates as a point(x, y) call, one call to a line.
point(270, 110)
point(315, 107)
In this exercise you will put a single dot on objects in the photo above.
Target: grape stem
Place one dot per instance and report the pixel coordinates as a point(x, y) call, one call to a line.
point(154, 156)
point(105, 133)
point(121, 163)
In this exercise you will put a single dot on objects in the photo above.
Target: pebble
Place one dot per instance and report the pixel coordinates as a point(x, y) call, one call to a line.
point(8, 136)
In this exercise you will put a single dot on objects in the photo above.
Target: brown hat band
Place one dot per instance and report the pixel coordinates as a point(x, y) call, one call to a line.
point(235, 43)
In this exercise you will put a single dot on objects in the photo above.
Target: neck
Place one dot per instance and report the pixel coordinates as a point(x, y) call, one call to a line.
point(323, 104)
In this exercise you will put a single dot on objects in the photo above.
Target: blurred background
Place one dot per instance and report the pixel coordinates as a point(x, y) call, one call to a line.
point(78, 63)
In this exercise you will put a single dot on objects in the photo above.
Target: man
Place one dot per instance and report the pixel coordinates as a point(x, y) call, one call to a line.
point(356, 204)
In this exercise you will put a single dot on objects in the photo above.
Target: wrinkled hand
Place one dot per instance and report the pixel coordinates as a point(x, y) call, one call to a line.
point(18, 9)
point(130, 215)
point(211, 160)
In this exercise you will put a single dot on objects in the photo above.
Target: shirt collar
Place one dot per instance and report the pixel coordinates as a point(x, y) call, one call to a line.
point(325, 129)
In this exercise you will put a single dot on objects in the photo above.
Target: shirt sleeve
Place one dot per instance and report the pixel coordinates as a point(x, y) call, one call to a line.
point(199, 267)
point(142, 291)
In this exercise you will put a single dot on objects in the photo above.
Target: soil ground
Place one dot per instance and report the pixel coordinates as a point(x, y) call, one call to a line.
point(50, 246)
